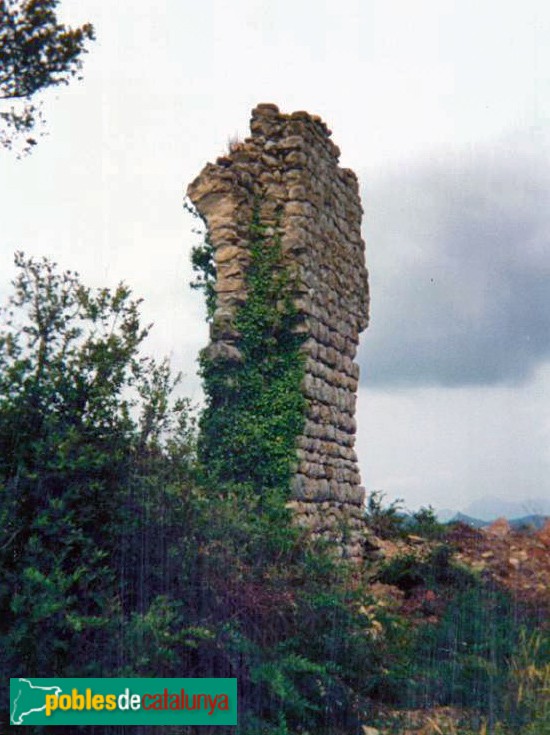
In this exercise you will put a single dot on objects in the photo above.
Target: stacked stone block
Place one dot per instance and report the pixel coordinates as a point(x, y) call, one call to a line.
point(289, 168)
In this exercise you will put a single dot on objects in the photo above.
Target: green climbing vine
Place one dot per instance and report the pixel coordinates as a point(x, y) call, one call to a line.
point(255, 406)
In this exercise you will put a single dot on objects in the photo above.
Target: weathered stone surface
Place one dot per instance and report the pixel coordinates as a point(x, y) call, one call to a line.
point(223, 351)
point(290, 165)
point(229, 253)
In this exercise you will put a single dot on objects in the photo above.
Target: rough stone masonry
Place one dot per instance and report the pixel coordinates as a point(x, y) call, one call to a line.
point(290, 165)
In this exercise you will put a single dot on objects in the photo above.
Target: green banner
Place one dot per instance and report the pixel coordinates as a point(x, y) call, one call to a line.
point(40, 701)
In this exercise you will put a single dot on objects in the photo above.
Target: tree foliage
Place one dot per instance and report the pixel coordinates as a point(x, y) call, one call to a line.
point(36, 52)
point(80, 414)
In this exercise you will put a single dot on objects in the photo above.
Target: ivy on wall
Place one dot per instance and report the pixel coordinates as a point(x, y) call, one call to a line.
point(255, 406)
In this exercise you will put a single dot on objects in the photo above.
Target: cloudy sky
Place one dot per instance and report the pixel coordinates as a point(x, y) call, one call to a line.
point(441, 107)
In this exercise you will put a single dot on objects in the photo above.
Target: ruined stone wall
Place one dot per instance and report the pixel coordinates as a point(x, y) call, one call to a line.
point(290, 165)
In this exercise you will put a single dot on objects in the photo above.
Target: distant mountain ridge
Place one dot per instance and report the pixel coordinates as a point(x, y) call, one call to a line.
point(534, 521)
point(468, 520)
point(490, 507)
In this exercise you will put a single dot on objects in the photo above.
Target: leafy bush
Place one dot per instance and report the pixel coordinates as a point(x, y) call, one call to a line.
point(407, 571)
point(424, 523)
point(391, 521)
point(86, 427)
point(387, 521)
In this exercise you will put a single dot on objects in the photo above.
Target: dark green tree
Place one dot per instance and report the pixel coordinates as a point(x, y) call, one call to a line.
point(82, 418)
point(36, 52)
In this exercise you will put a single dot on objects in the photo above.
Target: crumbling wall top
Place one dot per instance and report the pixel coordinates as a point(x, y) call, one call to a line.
point(288, 172)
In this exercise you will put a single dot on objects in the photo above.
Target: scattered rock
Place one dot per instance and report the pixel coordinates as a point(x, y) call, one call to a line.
point(499, 528)
point(544, 533)
point(519, 560)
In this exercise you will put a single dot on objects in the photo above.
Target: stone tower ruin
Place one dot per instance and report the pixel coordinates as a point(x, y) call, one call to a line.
point(290, 165)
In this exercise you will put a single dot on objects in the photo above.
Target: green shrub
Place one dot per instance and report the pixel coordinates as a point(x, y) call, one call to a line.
point(408, 571)
point(387, 521)
point(424, 523)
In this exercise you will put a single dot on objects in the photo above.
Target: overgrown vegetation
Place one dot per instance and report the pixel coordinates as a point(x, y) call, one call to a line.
point(466, 646)
point(121, 557)
point(524, 708)
point(85, 422)
point(255, 406)
point(129, 547)
point(393, 521)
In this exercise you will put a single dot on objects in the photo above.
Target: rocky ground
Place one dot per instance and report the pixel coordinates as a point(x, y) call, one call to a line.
point(517, 560)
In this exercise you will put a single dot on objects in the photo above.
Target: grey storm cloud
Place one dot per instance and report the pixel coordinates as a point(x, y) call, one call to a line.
point(458, 250)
